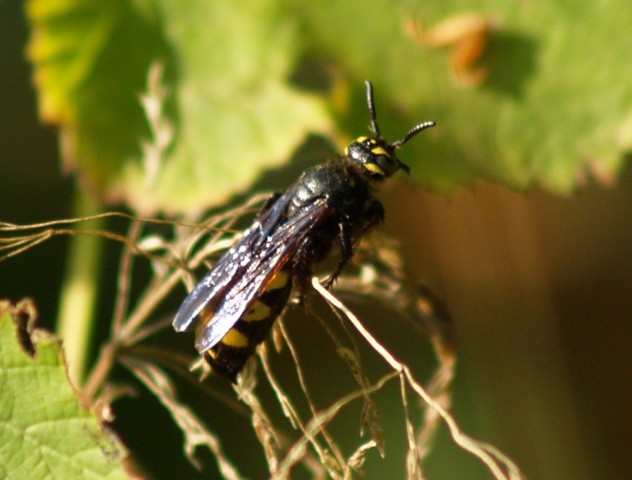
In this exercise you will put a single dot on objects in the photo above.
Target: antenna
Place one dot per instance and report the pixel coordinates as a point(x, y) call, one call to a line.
point(411, 133)
point(375, 129)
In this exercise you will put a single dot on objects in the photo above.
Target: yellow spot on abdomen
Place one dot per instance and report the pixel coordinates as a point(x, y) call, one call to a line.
point(279, 281)
point(258, 311)
point(234, 338)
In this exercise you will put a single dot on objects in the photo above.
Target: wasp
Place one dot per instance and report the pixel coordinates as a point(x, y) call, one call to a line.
point(233, 307)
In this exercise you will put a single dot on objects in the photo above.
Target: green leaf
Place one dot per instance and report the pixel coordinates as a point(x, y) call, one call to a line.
point(44, 430)
point(225, 109)
point(555, 107)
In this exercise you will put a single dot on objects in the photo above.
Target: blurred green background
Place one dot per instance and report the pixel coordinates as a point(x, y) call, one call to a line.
point(539, 286)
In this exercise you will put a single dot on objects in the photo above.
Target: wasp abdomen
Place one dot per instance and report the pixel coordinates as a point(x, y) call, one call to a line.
point(229, 356)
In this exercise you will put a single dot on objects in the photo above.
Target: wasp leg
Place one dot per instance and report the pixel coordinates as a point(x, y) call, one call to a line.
point(346, 251)
point(302, 273)
point(374, 215)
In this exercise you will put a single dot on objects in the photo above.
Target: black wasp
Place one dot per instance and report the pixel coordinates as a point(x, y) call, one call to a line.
point(234, 306)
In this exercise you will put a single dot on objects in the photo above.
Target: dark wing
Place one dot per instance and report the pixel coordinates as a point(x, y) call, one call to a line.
point(230, 267)
point(278, 248)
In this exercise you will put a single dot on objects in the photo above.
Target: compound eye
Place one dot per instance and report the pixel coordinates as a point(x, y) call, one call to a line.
point(383, 165)
point(379, 165)
point(387, 163)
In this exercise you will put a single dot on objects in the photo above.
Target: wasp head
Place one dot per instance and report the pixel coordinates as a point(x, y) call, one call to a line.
point(375, 156)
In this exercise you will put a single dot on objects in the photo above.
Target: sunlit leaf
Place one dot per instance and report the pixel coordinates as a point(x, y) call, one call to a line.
point(44, 431)
point(553, 106)
point(227, 99)
point(526, 93)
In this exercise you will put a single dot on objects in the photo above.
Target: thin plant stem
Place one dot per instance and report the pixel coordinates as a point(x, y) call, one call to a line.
point(77, 305)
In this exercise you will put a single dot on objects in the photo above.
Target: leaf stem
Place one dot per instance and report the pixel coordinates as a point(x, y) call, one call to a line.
point(77, 306)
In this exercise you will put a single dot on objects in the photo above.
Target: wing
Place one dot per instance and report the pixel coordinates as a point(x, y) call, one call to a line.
point(230, 267)
point(278, 248)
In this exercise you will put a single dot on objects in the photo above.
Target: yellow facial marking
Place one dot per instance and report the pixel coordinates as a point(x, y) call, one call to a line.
point(374, 168)
point(279, 281)
point(234, 338)
point(258, 311)
point(379, 151)
point(211, 353)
